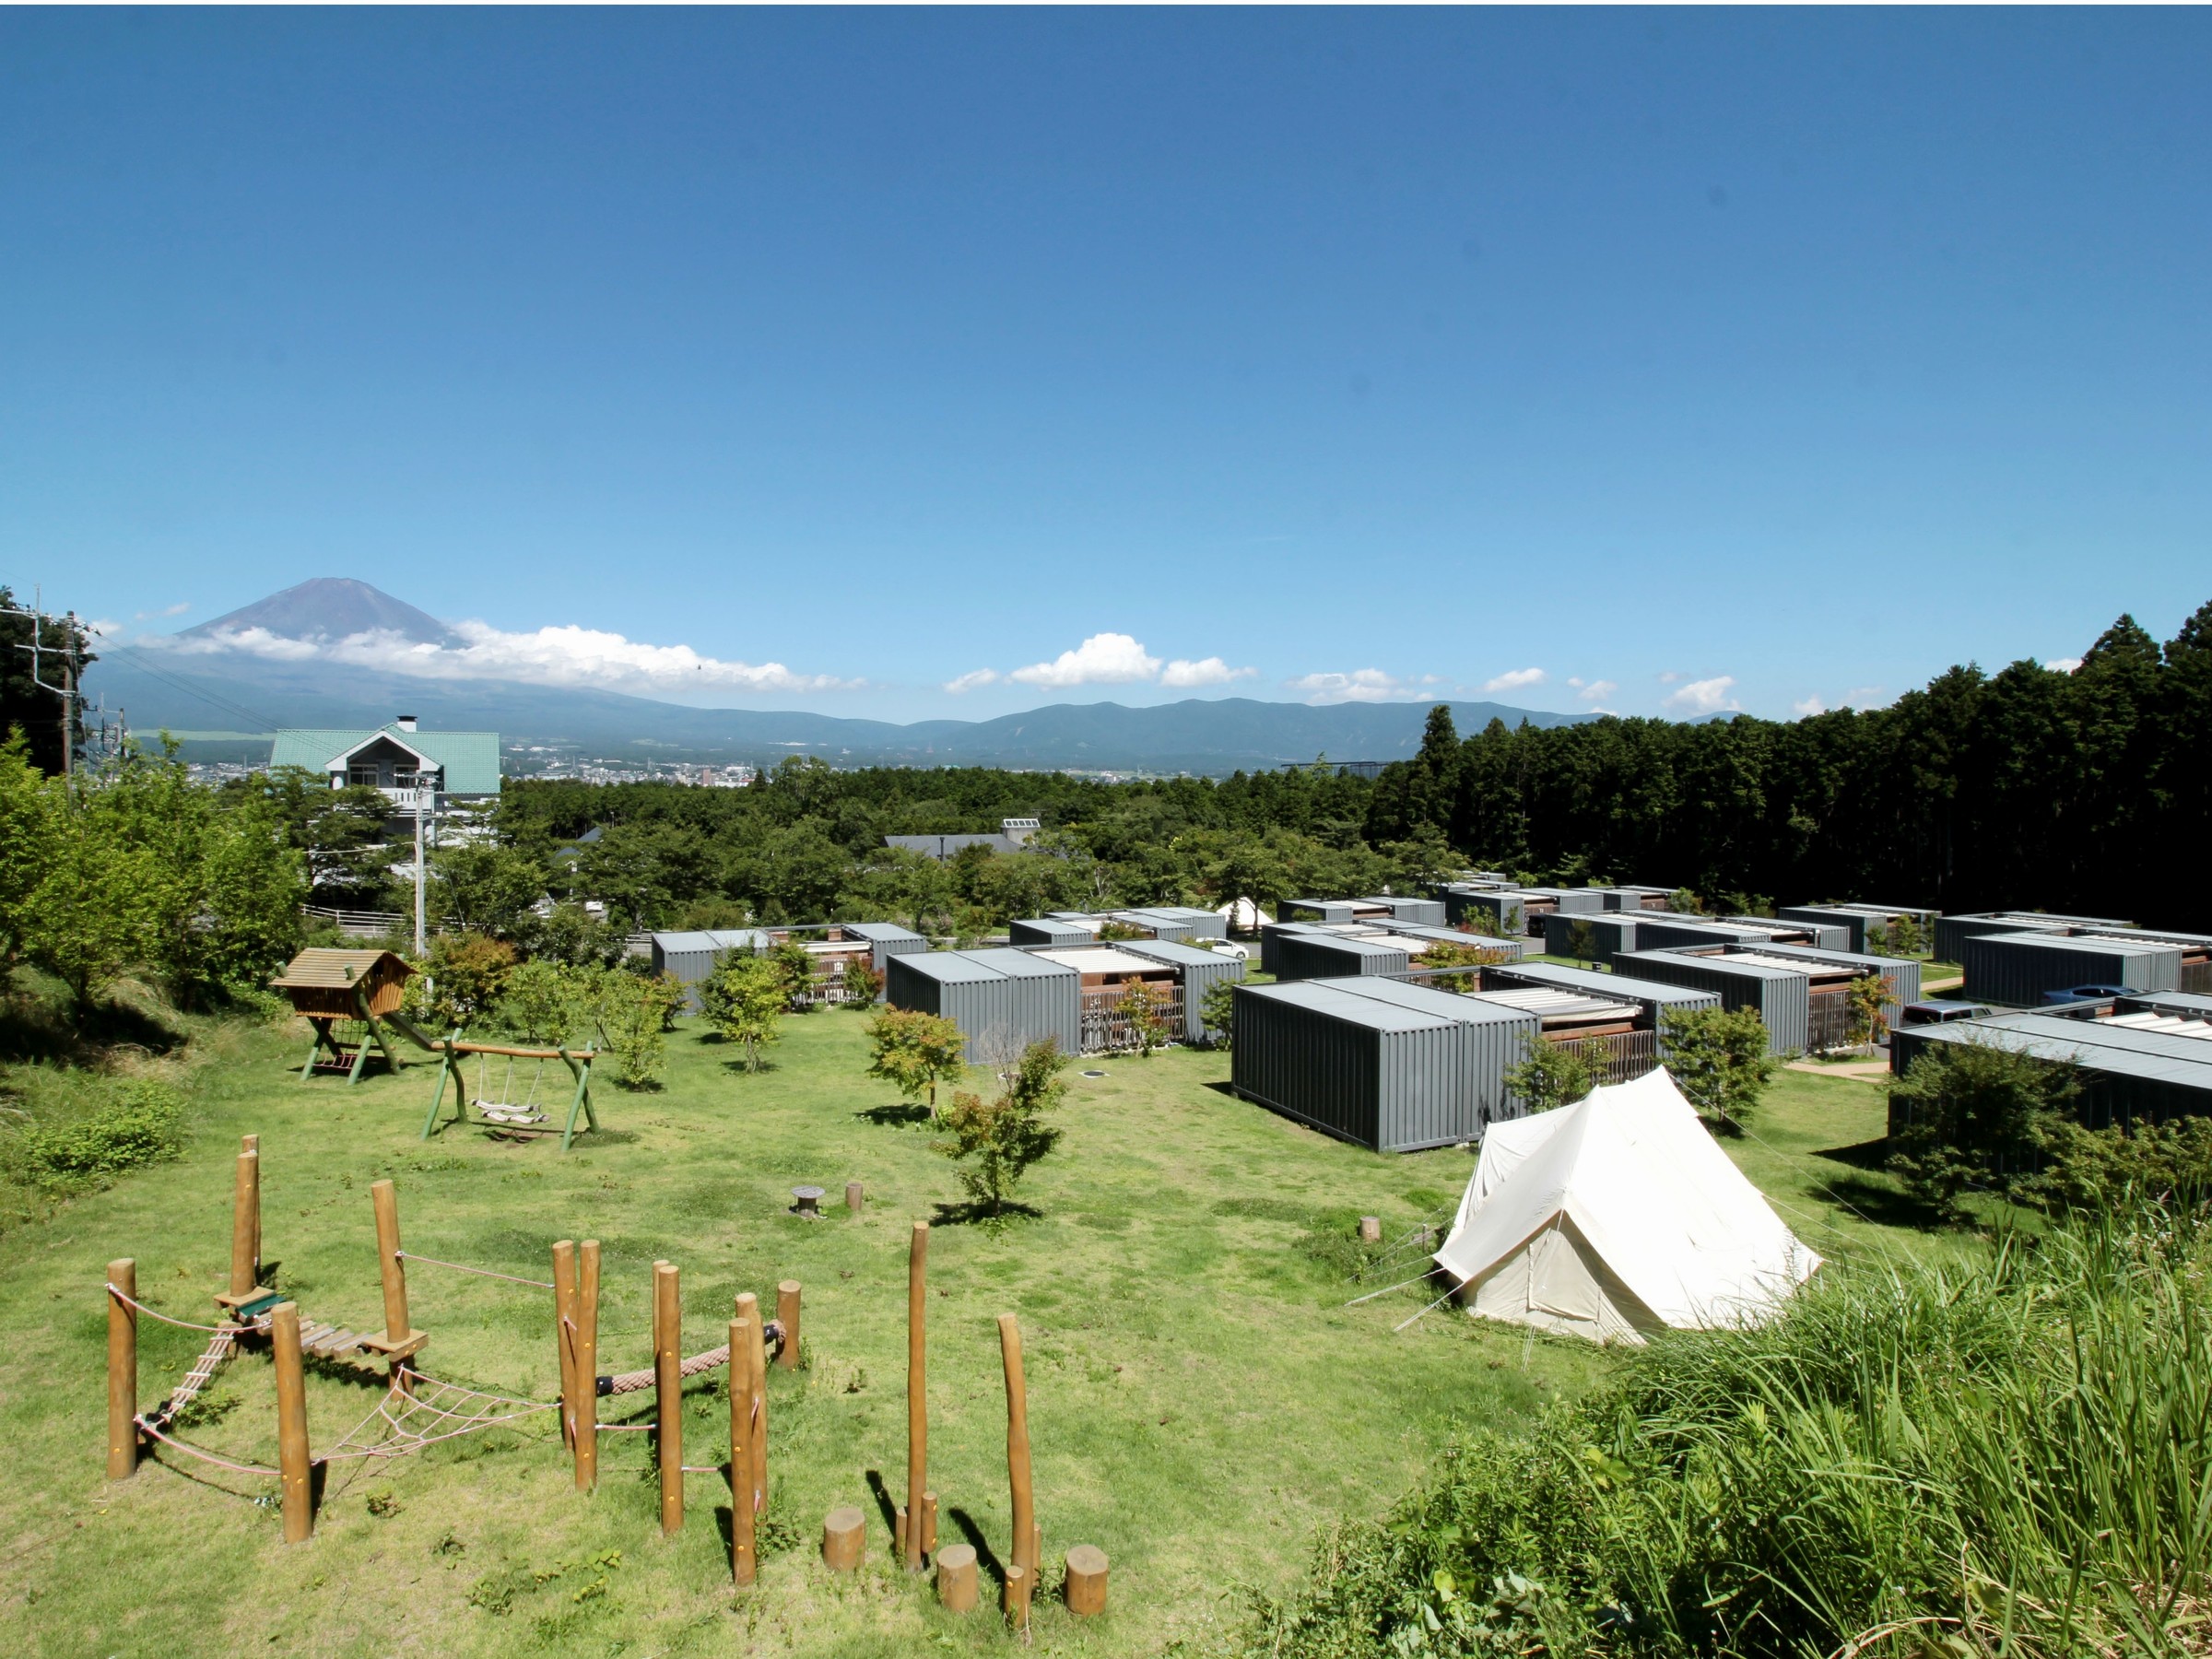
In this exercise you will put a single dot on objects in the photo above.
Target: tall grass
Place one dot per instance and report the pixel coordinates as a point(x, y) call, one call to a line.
point(2008, 1458)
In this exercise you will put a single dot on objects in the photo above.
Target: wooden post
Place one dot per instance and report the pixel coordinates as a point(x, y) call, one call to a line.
point(917, 1389)
point(123, 1371)
point(564, 1339)
point(1024, 1551)
point(398, 1331)
point(787, 1316)
point(755, 1368)
point(844, 1536)
point(1370, 1230)
point(245, 1225)
point(854, 1196)
point(1018, 1595)
point(587, 1366)
point(955, 1578)
point(929, 1524)
point(292, 1461)
point(744, 1562)
point(668, 1393)
point(1085, 1581)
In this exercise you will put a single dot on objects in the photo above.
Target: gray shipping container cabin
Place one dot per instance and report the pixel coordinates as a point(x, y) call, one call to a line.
point(1272, 931)
point(1335, 910)
point(1506, 910)
point(1859, 921)
point(1304, 955)
point(992, 995)
point(1901, 974)
point(1632, 896)
point(887, 938)
point(1388, 1066)
point(1051, 930)
point(2129, 1076)
point(1952, 932)
point(1199, 968)
point(1656, 996)
point(1197, 925)
point(1607, 933)
point(1419, 913)
point(1782, 999)
point(690, 956)
point(2017, 968)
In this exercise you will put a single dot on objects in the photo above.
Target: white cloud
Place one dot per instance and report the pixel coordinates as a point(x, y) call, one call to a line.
point(1362, 685)
point(1807, 706)
point(2063, 664)
point(1590, 691)
point(167, 610)
point(1104, 659)
point(971, 679)
point(1514, 679)
point(1669, 677)
point(1209, 671)
point(551, 656)
point(1705, 696)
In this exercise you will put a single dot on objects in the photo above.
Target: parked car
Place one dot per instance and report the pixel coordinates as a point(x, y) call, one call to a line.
point(2084, 993)
point(1229, 948)
point(1941, 1013)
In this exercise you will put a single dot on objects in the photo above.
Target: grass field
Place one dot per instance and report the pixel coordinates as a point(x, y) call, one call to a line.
point(1201, 1401)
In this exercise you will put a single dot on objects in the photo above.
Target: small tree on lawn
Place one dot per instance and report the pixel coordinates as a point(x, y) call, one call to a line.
point(466, 975)
point(1443, 954)
point(1549, 1076)
point(1217, 1012)
point(632, 1012)
point(998, 1140)
point(1866, 996)
point(1139, 1010)
point(745, 998)
point(1976, 1115)
point(795, 969)
point(913, 1052)
point(1582, 941)
point(1720, 1062)
point(860, 983)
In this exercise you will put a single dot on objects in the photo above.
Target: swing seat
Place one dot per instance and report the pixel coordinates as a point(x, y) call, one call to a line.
point(496, 1112)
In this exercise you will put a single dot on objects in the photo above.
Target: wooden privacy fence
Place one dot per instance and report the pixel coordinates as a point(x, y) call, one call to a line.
point(1106, 1027)
point(1618, 1057)
point(1828, 1022)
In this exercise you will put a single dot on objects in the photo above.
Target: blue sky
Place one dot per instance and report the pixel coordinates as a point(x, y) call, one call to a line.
point(1278, 353)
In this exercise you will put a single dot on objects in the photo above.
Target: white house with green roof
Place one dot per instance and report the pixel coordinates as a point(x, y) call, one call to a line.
point(456, 768)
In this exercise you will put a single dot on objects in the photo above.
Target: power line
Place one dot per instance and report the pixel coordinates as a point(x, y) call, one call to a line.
point(133, 657)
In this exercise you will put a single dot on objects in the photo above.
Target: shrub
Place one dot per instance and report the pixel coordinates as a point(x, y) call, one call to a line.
point(2098, 1170)
point(745, 998)
point(138, 1124)
point(914, 1052)
point(1978, 1115)
point(1001, 1138)
point(1139, 1010)
point(466, 974)
point(1218, 1009)
point(1548, 1076)
point(861, 984)
point(1718, 1059)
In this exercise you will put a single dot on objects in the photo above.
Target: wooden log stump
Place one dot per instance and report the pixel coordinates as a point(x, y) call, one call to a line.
point(1370, 1230)
point(844, 1537)
point(956, 1578)
point(1085, 1581)
point(787, 1316)
point(856, 1195)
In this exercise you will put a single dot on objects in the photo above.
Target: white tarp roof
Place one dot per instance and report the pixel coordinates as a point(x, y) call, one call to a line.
point(1617, 1216)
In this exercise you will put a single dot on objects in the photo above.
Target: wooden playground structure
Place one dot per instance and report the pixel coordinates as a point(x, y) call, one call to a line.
point(353, 1000)
point(415, 1410)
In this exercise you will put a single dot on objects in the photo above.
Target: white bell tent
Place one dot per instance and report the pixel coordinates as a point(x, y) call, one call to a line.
point(1617, 1216)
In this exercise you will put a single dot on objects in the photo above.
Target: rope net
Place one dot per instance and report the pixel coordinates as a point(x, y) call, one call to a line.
point(405, 1421)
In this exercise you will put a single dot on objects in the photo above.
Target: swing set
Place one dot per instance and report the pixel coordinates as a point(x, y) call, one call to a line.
point(503, 1112)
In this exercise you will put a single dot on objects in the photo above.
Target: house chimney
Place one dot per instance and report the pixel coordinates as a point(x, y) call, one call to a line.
point(406, 722)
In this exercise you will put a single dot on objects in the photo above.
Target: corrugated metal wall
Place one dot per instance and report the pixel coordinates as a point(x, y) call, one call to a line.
point(993, 1001)
point(1653, 996)
point(1045, 930)
point(1783, 1000)
point(1508, 910)
point(1331, 955)
point(1901, 974)
point(1273, 931)
point(2017, 968)
point(1608, 934)
point(690, 956)
point(2121, 1085)
point(1370, 1070)
point(1421, 913)
point(1952, 932)
point(1656, 933)
point(1496, 1040)
point(1854, 922)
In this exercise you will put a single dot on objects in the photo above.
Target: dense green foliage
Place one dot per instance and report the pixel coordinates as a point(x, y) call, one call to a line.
point(2031, 786)
point(1548, 1076)
point(2008, 1458)
point(135, 869)
point(104, 1130)
point(1975, 1116)
point(1718, 1057)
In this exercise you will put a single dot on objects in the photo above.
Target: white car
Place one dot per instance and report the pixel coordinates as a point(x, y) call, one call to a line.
point(1229, 948)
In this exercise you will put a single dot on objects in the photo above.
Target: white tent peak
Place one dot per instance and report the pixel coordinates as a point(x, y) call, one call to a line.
point(1617, 1216)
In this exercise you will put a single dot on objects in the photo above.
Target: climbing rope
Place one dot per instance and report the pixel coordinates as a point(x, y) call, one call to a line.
point(183, 1324)
point(408, 1255)
point(220, 1462)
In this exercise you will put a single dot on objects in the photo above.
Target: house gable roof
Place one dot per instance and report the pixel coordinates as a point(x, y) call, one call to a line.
point(470, 760)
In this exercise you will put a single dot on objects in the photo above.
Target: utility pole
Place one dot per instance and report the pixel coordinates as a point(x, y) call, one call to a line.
point(420, 871)
point(66, 690)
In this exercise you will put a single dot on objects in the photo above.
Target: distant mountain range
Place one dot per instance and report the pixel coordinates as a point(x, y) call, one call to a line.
point(235, 692)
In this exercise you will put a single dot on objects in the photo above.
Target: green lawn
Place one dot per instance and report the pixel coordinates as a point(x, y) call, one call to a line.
point(1202, 1402)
